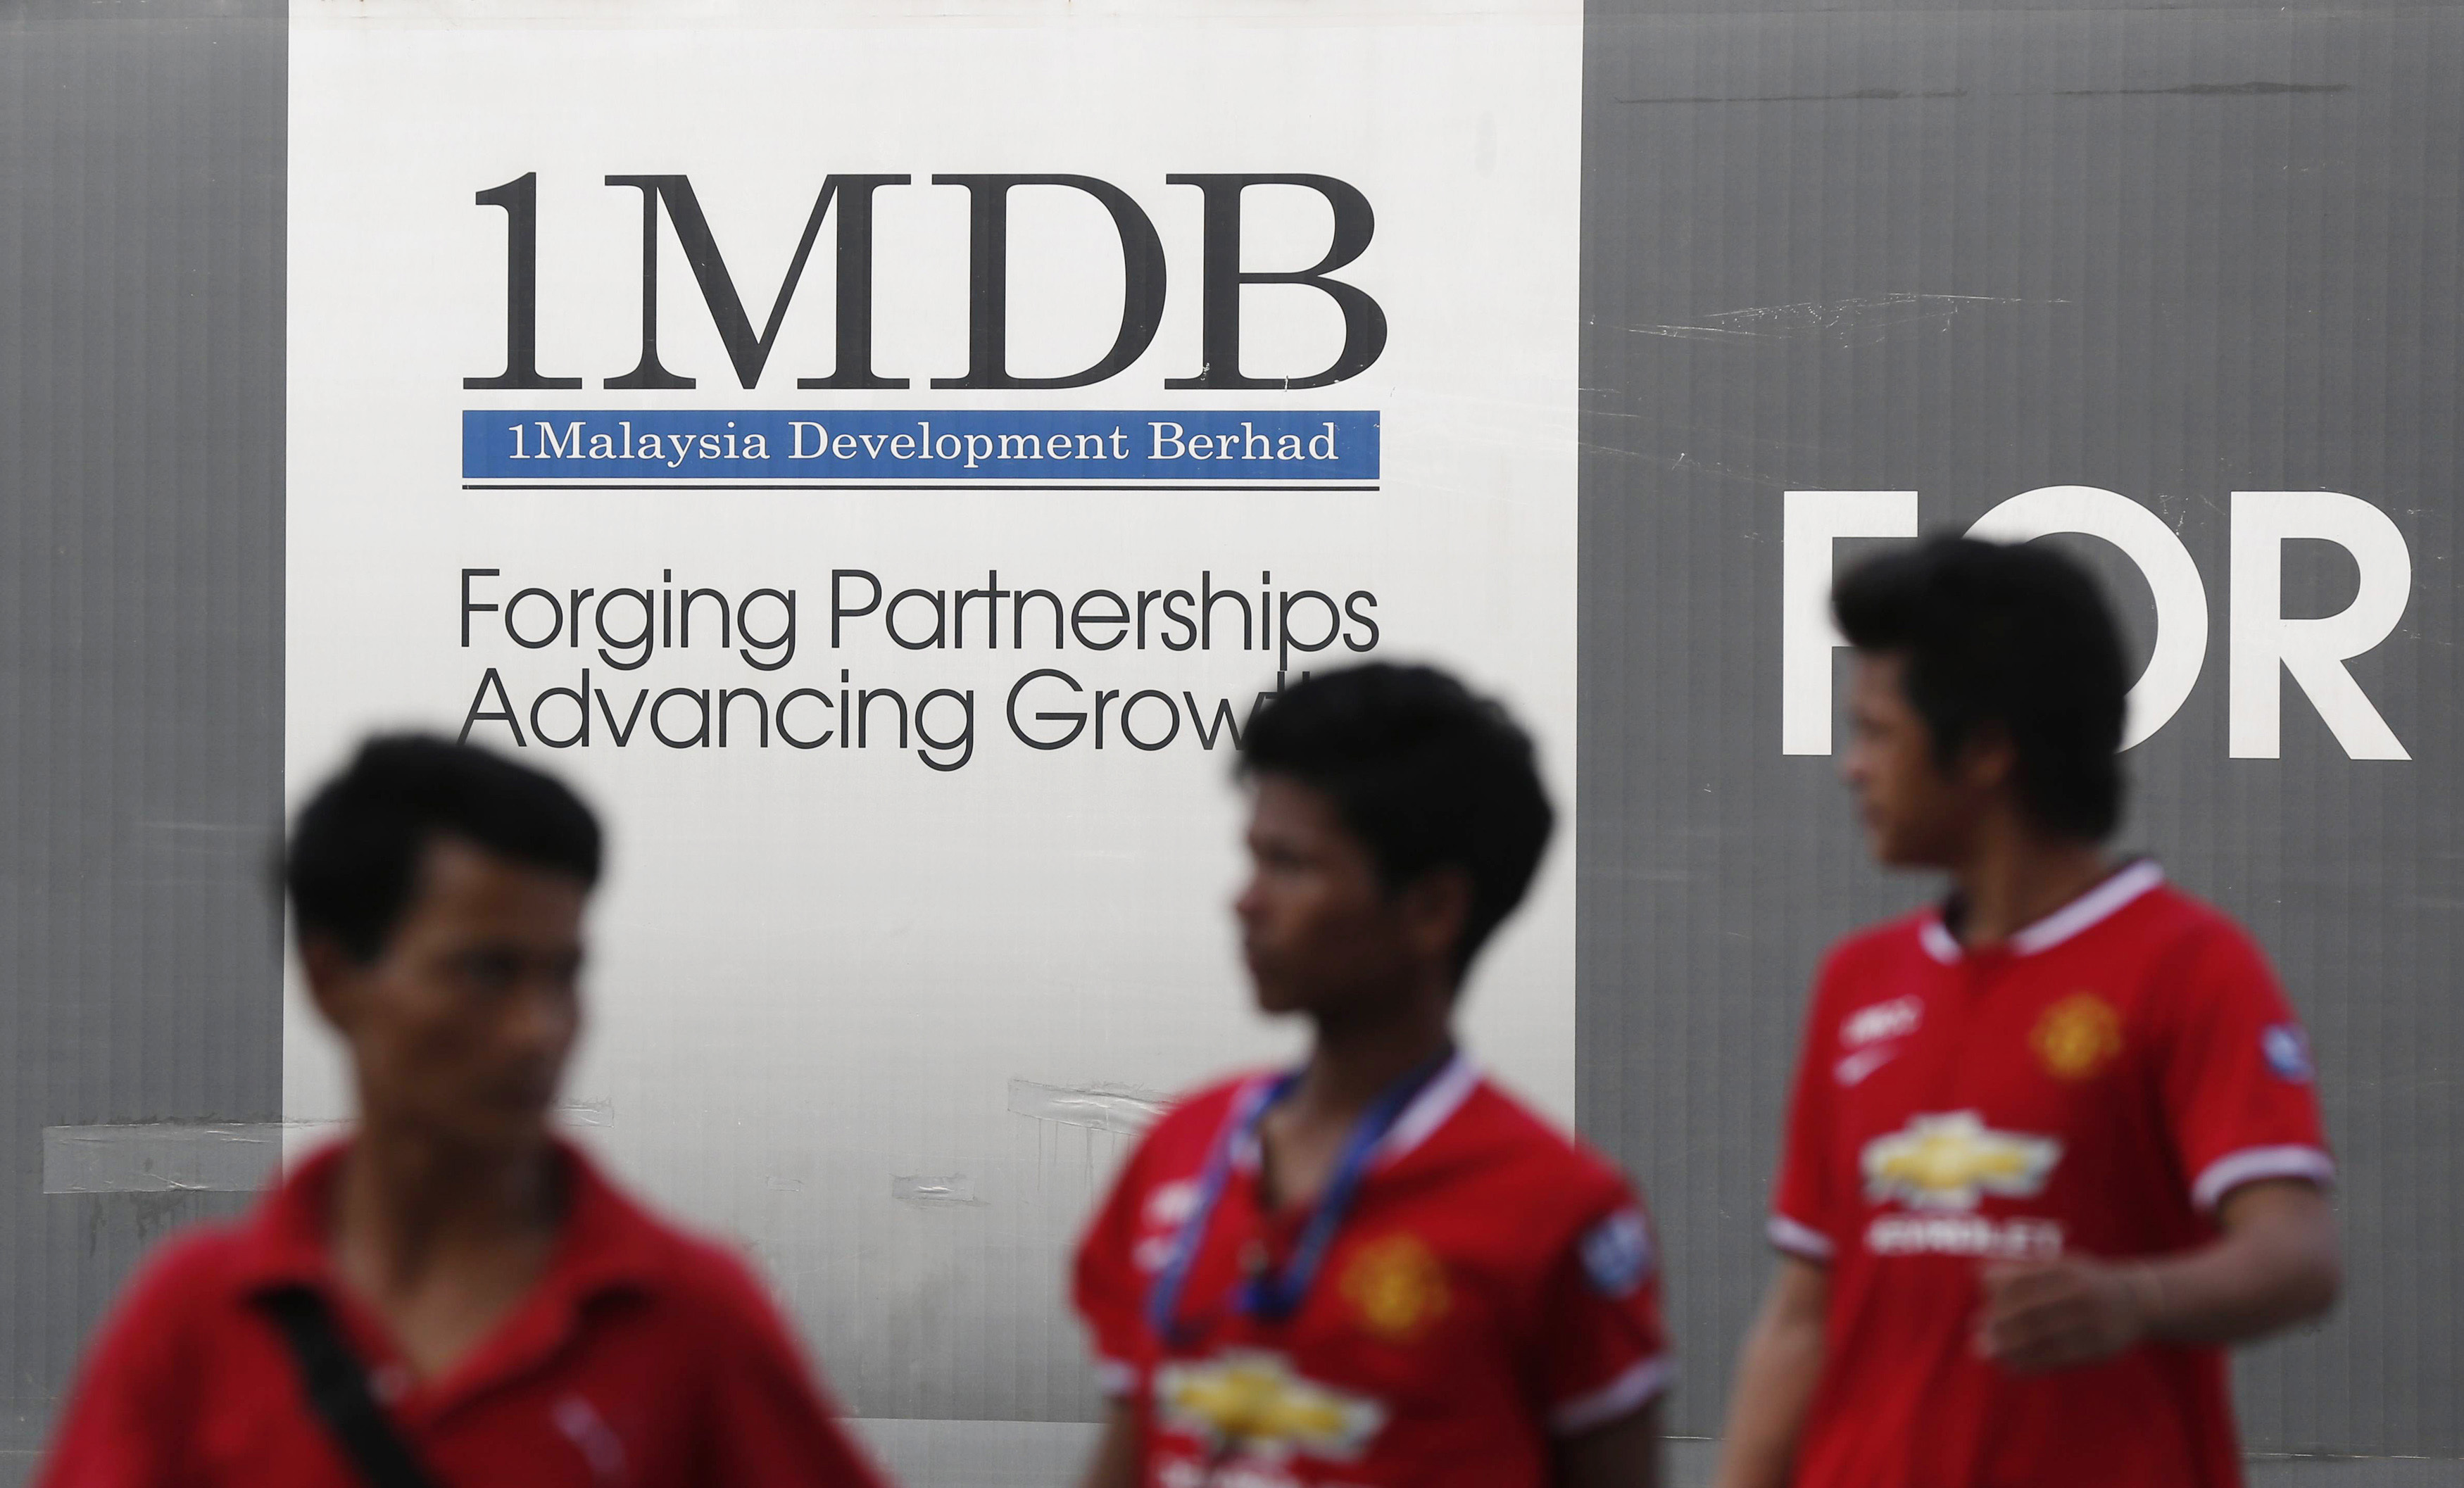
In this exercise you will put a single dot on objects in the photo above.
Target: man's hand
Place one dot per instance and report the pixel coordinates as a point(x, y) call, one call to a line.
point(2274, 1264)
point(2059, 1314)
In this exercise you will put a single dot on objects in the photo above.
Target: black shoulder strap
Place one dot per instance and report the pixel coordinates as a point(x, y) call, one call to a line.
point(338, 1391)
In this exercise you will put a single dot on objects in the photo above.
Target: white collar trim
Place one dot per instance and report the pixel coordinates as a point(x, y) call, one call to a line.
point(1437, 1103)
point(1938, 940)
point(2089, 910)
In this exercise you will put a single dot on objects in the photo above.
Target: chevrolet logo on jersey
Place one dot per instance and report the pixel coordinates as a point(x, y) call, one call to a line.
point(1253, 1402)
point(1951, 1161)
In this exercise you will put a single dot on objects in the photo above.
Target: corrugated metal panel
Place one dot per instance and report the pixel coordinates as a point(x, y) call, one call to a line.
point(1971, 251)
point(140, 570)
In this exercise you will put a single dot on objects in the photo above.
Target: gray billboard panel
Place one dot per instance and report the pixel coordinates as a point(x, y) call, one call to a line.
point(140, 550)
point(2174, 254)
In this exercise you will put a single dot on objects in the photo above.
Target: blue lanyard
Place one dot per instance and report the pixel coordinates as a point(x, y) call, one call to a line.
point(1276, 1298)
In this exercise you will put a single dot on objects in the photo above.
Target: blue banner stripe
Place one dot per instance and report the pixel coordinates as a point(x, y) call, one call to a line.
point(953, 444)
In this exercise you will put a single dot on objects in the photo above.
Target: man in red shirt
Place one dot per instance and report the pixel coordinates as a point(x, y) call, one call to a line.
point(2054, 1145)
point(453, 1297)
point(1378, 1270)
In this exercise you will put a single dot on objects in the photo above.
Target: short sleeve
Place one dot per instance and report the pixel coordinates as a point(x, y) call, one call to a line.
point(2237, 1078)
point(771, 1423)
point(1606, 1351)
point(1807, 1208)
point(1106, 1284)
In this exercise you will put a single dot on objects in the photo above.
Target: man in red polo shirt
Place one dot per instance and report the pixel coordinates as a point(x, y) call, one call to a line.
point(2054, 1145)
point(1378, 1270)
point(453, 1297)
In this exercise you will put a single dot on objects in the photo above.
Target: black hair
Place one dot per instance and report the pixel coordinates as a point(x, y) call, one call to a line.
point(1425, 773)
point(353, 865)
point(2014, 636)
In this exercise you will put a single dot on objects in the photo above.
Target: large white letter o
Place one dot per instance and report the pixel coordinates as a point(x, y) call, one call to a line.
point(2181, 598)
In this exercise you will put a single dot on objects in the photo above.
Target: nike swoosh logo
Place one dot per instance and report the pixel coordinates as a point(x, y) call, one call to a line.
point(1864, 1062)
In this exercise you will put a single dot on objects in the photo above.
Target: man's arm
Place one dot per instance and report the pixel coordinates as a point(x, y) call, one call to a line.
point(1115, 1463)
point(2277, 1263)
point(1776, 1373)
point(1624, 1454)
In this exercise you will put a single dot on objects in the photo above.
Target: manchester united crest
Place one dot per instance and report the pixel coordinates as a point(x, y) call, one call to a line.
point(2079, 1036)
point(1398, 1286)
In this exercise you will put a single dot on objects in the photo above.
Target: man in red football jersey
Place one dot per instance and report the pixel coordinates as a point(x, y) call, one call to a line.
point(452, 1295)
point(2053, 1145)
point(1377, 1270)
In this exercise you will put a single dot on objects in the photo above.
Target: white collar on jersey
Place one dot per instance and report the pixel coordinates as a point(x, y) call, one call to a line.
point(2093, 907)
point(1438, 1101)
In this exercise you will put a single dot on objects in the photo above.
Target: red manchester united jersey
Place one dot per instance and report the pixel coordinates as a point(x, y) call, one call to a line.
point(2094, 1086)
point(1491, 1285)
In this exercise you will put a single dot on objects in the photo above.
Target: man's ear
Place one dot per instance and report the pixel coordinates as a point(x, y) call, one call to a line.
point(1437, 909)
point(331, 973)
point(1989, 759)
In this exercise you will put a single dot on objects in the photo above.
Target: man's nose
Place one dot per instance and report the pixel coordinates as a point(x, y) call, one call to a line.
point(1248, 903)
point(542, 1016)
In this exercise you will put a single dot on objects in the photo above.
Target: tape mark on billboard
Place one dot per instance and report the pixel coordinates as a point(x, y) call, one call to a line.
point(1120, 1109)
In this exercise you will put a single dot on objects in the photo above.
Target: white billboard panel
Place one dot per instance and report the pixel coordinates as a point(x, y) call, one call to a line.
point(894, 554)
